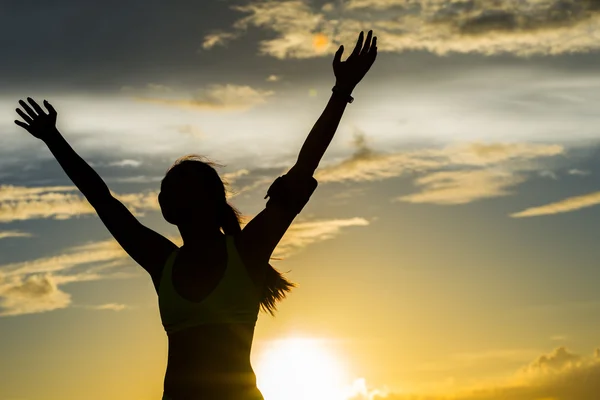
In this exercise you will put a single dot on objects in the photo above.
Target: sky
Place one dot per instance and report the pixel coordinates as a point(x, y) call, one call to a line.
point(449, 251)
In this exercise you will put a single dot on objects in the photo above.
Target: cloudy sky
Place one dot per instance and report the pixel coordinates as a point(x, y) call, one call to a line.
point(448, 252)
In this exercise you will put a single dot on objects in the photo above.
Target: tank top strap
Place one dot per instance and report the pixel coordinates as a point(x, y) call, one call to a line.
point(238, 269)
point(234, 258)
point(168, 267)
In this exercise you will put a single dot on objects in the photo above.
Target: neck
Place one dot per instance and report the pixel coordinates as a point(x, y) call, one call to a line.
point(193, 235)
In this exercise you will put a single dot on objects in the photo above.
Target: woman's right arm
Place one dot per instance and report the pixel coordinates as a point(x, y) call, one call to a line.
point(145, 246)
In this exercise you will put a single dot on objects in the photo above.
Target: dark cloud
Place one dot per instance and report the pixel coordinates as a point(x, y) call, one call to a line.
point(71, 45)
point(106, 44)
point(33, 286)
point(490, 21)
point(517, 27)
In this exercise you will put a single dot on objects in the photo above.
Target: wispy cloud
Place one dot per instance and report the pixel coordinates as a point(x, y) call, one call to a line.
point(217, 38)
point(367, 165)
point(548, 174)
point(15, 193)
point(103, 251)
point(19, 203)
point(562, 206)
point(135, 179)
point(256, 183)
point(8, 234)
point(217, 97)
point(236, 188)
point(460, 187)
point(108, 306)
point(34, 286)
point(119, 163)
point(578, 172)
point(302, 234)
point(126, 163)
point(231, 177)
point(60, 202)
point(521, 27)
point(454, 174)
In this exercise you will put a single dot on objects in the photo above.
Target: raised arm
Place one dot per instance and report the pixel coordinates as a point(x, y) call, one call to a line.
point(289, 194)
point(146, 247)
point(348, 74)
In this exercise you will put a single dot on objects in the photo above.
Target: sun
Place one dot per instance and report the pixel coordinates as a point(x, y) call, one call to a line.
point(320, 42)
point(301, 369)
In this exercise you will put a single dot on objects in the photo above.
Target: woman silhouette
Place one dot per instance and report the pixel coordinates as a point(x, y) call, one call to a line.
point(210, 289)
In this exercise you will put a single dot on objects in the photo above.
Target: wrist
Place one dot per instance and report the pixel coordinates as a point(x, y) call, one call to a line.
point(345, 87)
point(51, 135)
point(342, 93)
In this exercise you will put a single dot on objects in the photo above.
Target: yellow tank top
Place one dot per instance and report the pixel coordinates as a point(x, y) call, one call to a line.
point(235, 299)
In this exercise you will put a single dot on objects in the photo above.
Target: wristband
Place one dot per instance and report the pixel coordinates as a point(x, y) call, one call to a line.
point(290, 193)
point(337, 89)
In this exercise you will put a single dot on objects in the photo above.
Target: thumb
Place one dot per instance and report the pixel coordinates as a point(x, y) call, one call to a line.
point(338, 55)
point(49, 107)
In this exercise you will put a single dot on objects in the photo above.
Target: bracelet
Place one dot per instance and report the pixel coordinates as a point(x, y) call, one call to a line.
point(349, 98)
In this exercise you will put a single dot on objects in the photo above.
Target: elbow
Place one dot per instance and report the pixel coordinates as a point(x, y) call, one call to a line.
point(303, 169)
point(99, 197)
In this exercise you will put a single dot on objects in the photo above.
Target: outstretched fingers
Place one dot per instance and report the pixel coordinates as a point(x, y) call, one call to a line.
point(358, 46)
point(373, 49)
point(25, 117)
point(28, 109)
point(22, 125)
point(367, 45)
point(35, 106)
point(49, 107)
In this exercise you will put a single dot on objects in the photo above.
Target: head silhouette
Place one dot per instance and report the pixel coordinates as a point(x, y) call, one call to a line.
point(193, 193)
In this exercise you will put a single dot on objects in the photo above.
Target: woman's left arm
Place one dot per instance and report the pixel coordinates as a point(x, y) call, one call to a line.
point(289, 193)
point(348, 74)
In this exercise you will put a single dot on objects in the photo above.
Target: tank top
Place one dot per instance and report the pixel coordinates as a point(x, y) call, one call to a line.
point(235, 299)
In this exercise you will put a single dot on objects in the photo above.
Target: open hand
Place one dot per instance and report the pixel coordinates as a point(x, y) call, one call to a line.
point(37, 122)
point(348, 73)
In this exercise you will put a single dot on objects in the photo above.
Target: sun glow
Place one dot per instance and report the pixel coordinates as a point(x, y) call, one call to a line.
point(301, 369)
point(320, 42)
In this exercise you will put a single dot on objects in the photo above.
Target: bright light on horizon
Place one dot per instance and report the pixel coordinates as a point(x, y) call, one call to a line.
point(301, 369)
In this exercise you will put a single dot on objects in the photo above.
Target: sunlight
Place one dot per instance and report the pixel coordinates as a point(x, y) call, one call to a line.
point(301, 369)
point(320, 42)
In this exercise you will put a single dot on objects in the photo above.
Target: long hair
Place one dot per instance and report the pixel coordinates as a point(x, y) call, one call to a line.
point(275, 285)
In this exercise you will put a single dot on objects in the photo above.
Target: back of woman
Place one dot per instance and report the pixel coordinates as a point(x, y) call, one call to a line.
point(211, 363)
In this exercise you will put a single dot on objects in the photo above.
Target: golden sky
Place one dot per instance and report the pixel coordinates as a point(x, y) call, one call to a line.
point(449, 251)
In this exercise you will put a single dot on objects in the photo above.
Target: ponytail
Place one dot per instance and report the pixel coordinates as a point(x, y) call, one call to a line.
point(275, 286)
point(230, 218)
